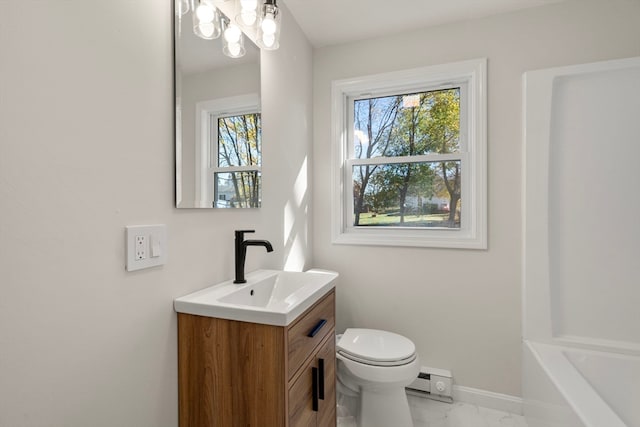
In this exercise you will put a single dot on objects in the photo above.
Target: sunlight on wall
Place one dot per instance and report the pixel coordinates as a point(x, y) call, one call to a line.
point(294, 242)
point(300, 186)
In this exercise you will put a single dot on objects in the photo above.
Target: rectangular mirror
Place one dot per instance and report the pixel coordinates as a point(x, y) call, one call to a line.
point(217, 119)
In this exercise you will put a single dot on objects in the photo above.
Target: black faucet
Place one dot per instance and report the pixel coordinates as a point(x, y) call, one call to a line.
point(241, 252)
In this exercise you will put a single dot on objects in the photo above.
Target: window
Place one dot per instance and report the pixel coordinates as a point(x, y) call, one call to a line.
point(409, 157)
point(237, 175)
point(230, 152)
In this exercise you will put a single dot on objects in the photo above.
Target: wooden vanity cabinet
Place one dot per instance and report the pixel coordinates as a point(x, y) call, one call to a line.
point(315, 383)
point(240, 374)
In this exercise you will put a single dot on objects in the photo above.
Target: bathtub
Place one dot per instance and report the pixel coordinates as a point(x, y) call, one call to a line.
point(569, 387)
point(581, 336)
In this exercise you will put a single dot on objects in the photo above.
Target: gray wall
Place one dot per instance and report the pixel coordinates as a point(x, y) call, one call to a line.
point(461, 307)
point(86, 148)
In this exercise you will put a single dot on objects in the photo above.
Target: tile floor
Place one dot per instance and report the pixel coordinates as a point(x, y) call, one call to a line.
point(431, 413)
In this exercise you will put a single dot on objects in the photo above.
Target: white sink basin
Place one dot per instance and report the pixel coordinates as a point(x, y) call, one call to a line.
point(270, 297)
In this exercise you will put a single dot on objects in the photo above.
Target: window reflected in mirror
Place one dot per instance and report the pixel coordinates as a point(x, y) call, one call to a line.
point(239, 158)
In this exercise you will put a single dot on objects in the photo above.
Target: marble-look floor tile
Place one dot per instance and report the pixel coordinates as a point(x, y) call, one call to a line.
point(431, 413)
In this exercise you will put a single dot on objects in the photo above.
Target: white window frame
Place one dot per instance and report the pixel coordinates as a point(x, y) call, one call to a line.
point(206, 156)
point(471, 77)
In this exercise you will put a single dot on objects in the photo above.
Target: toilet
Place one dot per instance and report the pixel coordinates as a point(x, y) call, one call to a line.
point(375, 366)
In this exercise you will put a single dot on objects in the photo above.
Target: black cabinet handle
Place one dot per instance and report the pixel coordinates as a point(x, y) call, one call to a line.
point(314, 389)
point(317, 328)
point(321, 379)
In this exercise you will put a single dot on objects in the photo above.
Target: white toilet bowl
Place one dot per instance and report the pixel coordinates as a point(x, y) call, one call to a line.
point(378, 365)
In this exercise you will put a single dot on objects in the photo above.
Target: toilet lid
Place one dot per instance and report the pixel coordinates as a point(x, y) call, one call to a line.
point(376, 347)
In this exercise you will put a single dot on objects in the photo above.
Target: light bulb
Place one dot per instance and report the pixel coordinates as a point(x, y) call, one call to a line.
point(205, 13)
point(268, 39)
point(268, 24)
point(232, 34)
point(206, 29)
point(248, 17)
point(234, 49)
point(249, 4)
point(269, 27)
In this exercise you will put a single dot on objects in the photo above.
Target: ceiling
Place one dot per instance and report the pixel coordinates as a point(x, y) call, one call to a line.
point(330, 22)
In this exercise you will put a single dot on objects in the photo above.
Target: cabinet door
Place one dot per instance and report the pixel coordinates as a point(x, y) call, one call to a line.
point(312, 397)
point(302, 396)
point(326, 362)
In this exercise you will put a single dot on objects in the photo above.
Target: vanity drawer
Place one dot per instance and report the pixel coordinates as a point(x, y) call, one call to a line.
point(309, 331)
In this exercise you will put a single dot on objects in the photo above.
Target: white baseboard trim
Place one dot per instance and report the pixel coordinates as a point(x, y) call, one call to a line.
point(488, 399)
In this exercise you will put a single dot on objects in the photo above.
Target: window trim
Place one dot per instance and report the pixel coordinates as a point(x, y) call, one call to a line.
point(472, 233)
point(206, 155)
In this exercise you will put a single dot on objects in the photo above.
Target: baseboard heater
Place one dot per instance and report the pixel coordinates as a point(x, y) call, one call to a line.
point(432, 383)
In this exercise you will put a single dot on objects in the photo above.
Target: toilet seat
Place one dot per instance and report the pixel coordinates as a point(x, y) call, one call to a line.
point(375, 347)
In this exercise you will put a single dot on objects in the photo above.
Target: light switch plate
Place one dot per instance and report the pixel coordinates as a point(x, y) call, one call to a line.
point(146, 246)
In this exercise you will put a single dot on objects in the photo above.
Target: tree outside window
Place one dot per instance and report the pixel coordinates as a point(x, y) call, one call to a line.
point(237, 180)
point(399, 188)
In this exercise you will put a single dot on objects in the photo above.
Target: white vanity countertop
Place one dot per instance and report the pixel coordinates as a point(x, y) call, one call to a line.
point(271, 297)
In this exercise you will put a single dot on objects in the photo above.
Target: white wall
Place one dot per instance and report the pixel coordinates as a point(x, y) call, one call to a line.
point(287, 92)
point(86, 147)
point(461, 307)
point(575, 291)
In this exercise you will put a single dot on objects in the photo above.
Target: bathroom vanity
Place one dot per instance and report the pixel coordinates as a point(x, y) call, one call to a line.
point(246, 373)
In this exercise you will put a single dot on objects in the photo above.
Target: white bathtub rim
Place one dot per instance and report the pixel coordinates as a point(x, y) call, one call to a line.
point(583, 399)
point(598, 345)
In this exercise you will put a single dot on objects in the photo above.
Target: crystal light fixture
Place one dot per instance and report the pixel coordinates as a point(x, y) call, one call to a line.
point(258, 18)
point(233, 40)
point(248, 13)
point(269, 26)
point(206, 19)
